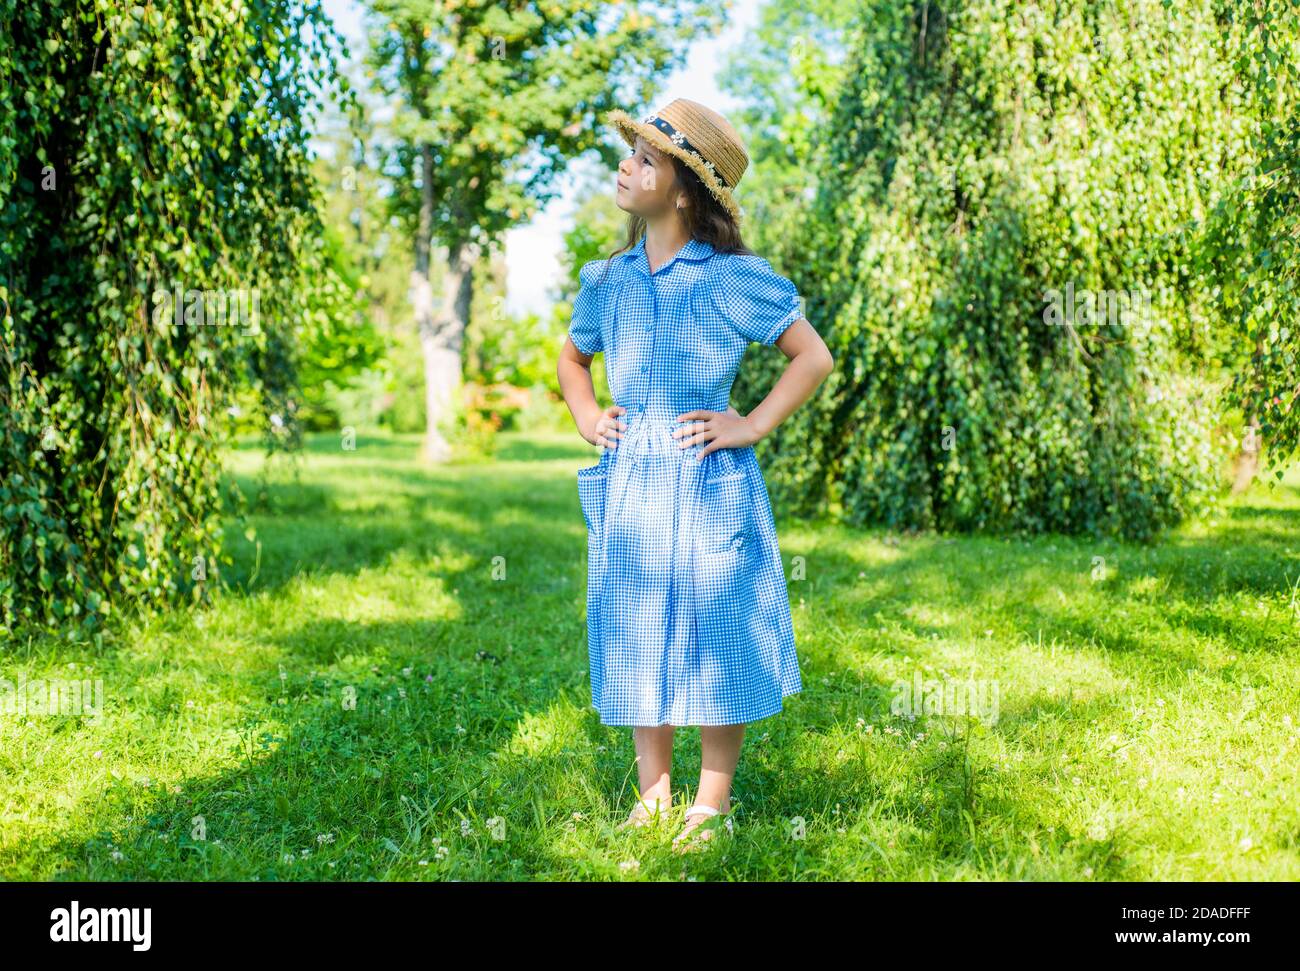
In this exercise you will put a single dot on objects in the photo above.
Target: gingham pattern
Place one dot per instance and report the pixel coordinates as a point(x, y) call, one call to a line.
point(688, 618)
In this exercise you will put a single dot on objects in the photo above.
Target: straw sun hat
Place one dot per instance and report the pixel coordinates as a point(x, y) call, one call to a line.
point(697, 135)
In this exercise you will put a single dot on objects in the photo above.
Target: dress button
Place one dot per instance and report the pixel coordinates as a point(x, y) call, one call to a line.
point(645, 368)
point(738, 541)
point(649, 326)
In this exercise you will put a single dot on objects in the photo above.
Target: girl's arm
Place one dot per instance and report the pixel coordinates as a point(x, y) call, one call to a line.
point(596, 426)
point(810, 364)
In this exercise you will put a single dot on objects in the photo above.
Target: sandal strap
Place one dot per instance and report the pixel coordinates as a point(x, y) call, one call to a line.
point(705, 810)
point(647, 806)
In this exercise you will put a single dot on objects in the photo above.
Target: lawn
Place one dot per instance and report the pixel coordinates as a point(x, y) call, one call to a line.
point(393, 686)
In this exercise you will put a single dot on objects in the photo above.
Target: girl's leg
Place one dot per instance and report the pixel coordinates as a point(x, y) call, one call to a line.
point(720, 751)
point(654, 761)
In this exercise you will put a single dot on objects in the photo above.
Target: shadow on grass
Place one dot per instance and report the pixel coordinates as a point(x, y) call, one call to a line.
point(494, 719)
point(371, 512)
point(444, 751)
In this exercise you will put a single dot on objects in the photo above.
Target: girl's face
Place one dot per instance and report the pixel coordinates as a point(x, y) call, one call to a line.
point(647, 182)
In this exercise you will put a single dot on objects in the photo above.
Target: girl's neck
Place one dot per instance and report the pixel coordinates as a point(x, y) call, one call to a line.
point(663, 238)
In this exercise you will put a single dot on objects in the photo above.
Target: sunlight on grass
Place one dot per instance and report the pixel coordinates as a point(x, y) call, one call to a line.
point(396, 688)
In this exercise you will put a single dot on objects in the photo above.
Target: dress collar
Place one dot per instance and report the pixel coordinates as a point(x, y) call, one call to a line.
point(694, 249)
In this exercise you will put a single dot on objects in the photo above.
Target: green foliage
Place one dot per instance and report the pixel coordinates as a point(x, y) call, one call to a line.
point(984, 157)
point(515, 350)
point(348, 368)
point(507, 94)
point(786, 76)
point(404, 410)
point(338, 339)
point(599, 227)
point(1250, 254)
point(147, 152)
point(492, 103)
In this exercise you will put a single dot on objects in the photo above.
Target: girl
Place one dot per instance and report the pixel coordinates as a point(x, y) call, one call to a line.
point(688, 618)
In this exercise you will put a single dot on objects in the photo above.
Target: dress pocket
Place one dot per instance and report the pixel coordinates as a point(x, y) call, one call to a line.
point(725, 596)
point(591, 494)
point(727, 515)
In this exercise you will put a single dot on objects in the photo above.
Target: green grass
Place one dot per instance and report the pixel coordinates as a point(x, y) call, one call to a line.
point(1146, 725)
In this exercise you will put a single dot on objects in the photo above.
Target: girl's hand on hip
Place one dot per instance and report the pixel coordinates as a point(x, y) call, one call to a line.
point(607, 429)
point(720, 429)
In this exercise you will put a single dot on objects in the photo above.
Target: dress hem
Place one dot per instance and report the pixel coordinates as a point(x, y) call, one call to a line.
point(780, 707)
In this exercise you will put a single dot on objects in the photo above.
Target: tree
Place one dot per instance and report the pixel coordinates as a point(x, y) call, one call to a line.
point(159, 248)
point(987, 160)
point(786, 76)
point(1250, 251)
point(492, 103)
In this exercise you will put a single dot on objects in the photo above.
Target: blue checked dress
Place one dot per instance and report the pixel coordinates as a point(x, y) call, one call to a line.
point(688, 618)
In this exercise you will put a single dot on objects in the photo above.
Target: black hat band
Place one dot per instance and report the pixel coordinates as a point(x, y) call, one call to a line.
point(680, 140)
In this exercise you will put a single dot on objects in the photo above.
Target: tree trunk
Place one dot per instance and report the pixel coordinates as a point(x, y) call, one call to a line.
point(1247, 460)
point(441, 333)
point(441, 342)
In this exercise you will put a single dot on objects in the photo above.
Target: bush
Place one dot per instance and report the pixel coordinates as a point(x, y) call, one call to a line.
point(988, 163)
point(150, 153)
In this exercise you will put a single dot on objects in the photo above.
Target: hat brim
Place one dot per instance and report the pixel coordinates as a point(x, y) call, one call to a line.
point(629, 129)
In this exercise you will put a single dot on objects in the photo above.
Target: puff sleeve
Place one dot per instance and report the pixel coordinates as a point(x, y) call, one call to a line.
point(584, 330)
point(759, 302)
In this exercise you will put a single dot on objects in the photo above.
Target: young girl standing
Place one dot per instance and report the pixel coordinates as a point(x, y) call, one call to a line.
point(688, 618)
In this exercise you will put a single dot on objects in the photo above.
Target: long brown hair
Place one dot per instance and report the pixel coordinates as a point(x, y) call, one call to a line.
point(705, 219)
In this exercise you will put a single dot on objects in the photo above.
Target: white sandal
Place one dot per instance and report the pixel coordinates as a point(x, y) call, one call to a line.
point(644, 813)
point(686, 838)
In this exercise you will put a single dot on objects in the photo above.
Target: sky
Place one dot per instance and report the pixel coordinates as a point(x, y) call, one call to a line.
point(533, 250)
